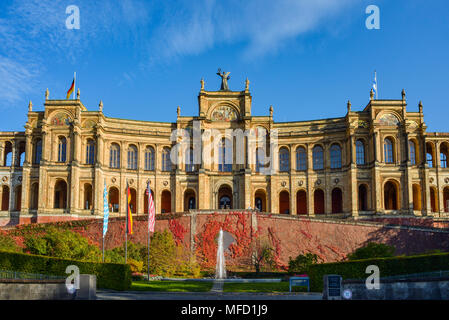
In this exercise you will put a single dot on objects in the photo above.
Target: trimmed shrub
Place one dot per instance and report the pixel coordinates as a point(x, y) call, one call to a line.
point(64, 244)
point(372, 250)
point(388, 267)
point(302, 262)
point(109, 275)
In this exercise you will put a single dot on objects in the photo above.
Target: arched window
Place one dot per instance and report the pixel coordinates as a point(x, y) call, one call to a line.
point(443, 155)
point(166, 162)
point(429, 155)
point(412, 148)
point(21, 152)
point(190, 166)
point(7, 161)
point(360, 152)
point(284, 160)
point(37, 154)
point(388, 151)
point(225, 156)
point(335, 156)
point(90, 152)
point(62, 149)
point(149, 159)
point(318, 158)
point(132, 157)
point(114, 156)
point(301, 159)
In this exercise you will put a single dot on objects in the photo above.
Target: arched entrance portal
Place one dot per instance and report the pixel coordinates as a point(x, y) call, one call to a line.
point(34, 196)
point(18, 199)
point(165, 201)
point(284, 202)
point(114, 199)
point(260, 200)
point(363, 198)
point(390, 196)
point(189, 200)
point(225, 197)
point(337, 201)
point(5, 198)
point(301, 202)
point(87, 204)
point(60, 200)
point(433, 199)
point(318, 201)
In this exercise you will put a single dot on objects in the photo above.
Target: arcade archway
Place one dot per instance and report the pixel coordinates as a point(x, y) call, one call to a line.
point(225, 197)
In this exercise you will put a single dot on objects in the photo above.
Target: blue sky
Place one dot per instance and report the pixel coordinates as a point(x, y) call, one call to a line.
point(144, 58)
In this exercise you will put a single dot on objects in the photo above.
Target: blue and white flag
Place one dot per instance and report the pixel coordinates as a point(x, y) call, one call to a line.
point(105, 211)
point(375, 84)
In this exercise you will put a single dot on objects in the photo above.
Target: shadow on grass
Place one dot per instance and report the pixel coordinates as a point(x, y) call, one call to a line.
point(171, 286)
point(271, 287)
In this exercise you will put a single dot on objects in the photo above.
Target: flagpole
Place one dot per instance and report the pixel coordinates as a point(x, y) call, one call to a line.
point(103, 218)
point(103, 248)
point(148, 253)
point(148, 246)
point(126, 227)
point(74, 84)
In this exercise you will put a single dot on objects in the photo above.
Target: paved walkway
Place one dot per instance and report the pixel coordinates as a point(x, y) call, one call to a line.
point(148, 295)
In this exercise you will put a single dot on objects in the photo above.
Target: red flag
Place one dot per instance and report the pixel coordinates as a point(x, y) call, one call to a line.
point(151, 210)
point(129, 216)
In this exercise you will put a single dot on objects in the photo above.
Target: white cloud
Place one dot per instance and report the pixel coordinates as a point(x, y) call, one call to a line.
point(264, 25)
point(16, 80)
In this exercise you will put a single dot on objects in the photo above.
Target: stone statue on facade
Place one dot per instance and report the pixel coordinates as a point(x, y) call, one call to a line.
point(224, 79)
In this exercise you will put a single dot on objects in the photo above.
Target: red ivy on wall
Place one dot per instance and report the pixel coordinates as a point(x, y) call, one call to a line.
point(276, 242)
point(177, 230)
point(236, 223)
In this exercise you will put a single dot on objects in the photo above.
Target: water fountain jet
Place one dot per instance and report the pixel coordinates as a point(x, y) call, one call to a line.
point(220, 270)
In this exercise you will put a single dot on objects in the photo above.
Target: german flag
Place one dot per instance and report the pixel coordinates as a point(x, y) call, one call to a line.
point(129, 216)
point(72, 87)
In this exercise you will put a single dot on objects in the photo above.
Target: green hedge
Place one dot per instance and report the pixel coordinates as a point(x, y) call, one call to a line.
point(109, 275)
point(392, 266)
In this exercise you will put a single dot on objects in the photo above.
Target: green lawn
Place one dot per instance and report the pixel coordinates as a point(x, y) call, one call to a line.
point(261, 287)
point(172, 286)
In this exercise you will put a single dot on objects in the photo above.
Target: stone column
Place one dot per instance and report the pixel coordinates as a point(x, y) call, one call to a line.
point(309, 183)
point(99, 180)
point(44, 187)
point(327, 187)
point(376, 194)
point(353, 185)
point(14, 154)
point(292, 172)
point(74, 181)
point(248, 192)
point(28, 147)
point(440, 198)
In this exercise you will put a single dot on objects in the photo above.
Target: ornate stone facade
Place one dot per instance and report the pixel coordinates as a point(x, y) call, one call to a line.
point(379, 160)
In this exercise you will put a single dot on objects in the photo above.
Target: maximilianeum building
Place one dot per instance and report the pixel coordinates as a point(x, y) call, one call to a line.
point(379, 160)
